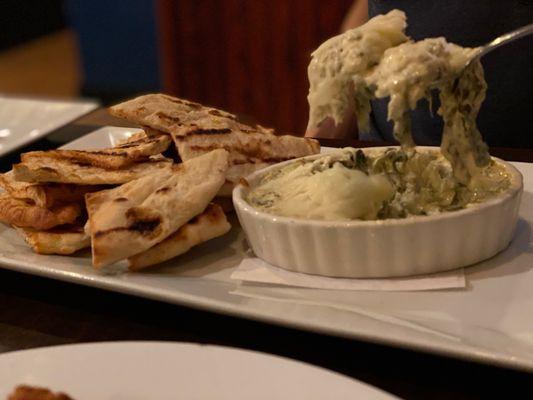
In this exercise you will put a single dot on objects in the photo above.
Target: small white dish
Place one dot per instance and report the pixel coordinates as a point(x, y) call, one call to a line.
point(166, 370)
point(385, 248)
point(23, 121)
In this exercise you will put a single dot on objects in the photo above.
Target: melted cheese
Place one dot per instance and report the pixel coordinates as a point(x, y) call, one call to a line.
point(407, 72)
point(322, 190)
point(462, 143)
point(337, 68)
point(377, 60)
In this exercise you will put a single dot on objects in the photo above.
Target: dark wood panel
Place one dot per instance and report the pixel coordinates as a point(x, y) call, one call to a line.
point(249, 57)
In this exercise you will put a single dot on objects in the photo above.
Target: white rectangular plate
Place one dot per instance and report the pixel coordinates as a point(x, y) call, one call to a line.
point(490, 321)
point(23, 121)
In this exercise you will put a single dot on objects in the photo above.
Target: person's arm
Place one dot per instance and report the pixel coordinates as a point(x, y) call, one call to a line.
point(357, 15)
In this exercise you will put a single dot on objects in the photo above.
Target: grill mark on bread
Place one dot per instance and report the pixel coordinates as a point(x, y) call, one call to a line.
point(102, 153)
point(128, 145)
point(174, 100)
point(87, 163)
point(135, 143)
point(184, 102)
point(120, 199)
point(193, 105)
point(169, 119)
point(162, 190)
point(90, 163)
point(108, 159)
point(209, 148)
point(144, 227)
point(48, 169)
point(217, 113)
point(212, 131)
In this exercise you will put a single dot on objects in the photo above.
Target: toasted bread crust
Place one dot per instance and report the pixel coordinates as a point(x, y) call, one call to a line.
point(56, 241)
point(122, 156)
point(160, 111)
point(22, 214)
point(50, 169)
point(45, 195)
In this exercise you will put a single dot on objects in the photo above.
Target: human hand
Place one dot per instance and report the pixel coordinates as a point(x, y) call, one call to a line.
point(327, 129)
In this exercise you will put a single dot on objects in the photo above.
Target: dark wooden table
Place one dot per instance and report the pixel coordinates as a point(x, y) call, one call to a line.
point(37, 312)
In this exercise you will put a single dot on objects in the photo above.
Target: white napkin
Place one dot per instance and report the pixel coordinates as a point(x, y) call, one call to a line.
point(253, 269)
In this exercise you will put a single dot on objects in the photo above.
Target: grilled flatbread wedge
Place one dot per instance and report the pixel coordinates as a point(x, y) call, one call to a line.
point(52, 169)
point(122, 156)
point(197, 130)
point(45, 195)
point(161, 112)
point(249, 151)
point(22, 214)
point(140, 145)
point(208, 225)
point(139, 214)
point(56, 241)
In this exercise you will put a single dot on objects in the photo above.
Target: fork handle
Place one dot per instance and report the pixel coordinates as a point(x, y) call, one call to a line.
point(506, 38)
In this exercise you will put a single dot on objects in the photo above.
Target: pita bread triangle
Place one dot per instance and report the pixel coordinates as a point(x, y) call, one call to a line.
point(197, 130)
point(131, 218)
point(206, 226)
point(67, 240)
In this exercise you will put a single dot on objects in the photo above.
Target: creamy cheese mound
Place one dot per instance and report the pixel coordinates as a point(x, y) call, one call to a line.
point(322, 189)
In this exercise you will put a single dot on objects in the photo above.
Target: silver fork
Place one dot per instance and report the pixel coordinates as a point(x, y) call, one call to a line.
point(500, 41)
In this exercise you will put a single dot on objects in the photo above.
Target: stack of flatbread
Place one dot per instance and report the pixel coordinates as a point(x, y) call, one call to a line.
point(131, 202)
point(197, 130)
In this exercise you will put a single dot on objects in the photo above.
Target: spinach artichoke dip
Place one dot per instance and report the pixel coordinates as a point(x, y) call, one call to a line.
point(378, 60)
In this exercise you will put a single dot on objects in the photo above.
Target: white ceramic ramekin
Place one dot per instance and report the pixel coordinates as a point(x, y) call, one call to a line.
point(387, 248)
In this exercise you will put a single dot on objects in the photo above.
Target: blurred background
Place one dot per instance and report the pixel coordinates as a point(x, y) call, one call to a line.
point(246, 56)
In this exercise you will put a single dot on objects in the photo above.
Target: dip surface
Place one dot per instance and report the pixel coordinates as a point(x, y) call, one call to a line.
point(349, 185)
